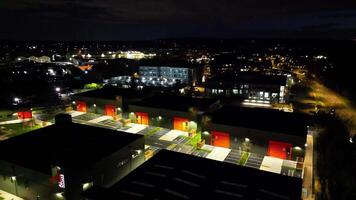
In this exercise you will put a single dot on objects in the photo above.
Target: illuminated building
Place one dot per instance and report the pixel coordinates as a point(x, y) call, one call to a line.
point(173, 112)
point(275, 132)
point(41, 59)
point(64, 159)
point(257, 88)
point(136, 55)
point(175, 74)
point(107, 100)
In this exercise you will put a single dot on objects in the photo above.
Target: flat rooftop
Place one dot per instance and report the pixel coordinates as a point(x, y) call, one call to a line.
point(111, 93)
point(249, 78)
point(178, 103)
point(262, 119)
point(70, 145)
point(172, 175)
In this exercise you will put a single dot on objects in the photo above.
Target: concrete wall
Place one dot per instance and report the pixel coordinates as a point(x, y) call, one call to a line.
point(104, 173)
point(100, 104)
point(28, 184)
point(258, 136)
point(167, 116)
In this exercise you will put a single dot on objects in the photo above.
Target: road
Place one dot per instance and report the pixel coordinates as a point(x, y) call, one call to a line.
point(308, 169)
point(330, 99)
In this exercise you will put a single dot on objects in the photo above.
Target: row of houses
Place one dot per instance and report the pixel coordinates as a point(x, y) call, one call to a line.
point(272, 132)
point(75, 161)
point(80, 162)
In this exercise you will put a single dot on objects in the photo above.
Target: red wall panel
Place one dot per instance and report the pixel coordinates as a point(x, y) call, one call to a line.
point(221, 139)
point(180, 124)
point(142, 118)
point(279, 149)
point(110, 110)
point(81, 106)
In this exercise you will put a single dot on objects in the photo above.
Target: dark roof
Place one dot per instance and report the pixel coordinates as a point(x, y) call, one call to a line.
point(111, 93)
point(249, 78)
point(166, 62)
point(178, 103)
point(262, 119)
point(172, 175)
point(67, 145)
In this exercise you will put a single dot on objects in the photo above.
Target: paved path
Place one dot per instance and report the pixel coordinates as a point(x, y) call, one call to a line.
point(8, 196)
point(308, 169)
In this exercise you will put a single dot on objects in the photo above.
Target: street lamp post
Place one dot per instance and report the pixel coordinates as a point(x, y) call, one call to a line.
point(13, 178)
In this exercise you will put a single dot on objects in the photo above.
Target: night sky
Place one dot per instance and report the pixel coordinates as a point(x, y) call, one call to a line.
point(152, 19)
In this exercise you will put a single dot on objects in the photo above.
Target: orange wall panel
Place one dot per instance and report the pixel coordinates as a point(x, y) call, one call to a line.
point(279, 149)
point(81, 106)
point(142, 118)
point(221, 139)
point(180, 123)
point(110, 110)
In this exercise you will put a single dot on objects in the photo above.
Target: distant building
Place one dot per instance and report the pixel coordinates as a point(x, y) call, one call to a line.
point(110, 101)
point(168, 74)
point(62, 160)
point(136, 55)
point(41, 59)
point(174, 112)
point(254, 87)
point(172, 175)
point(272, 132)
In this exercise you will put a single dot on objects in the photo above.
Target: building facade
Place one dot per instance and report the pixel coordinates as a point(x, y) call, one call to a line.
point(254, 88)
point(61, 161)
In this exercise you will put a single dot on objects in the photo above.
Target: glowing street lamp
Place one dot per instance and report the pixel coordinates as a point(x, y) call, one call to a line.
point(14, 180)
point(58, 89)
point(17, 100)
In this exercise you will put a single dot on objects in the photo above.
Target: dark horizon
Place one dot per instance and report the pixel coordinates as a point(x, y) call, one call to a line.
point(150, 20)
point(183, 39)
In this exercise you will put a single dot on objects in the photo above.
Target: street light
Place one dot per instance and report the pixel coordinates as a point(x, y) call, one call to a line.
point(297, 148)
point(58, 89)
point(94, 105)
point(13, 179)
point(17, 100)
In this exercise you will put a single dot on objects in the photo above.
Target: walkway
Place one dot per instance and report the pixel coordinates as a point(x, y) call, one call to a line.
point(7, 196)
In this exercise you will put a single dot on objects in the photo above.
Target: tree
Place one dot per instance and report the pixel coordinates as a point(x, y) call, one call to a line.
point(335, 159)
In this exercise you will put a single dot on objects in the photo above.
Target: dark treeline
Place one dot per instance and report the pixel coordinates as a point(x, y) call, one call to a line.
point(335, 160)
